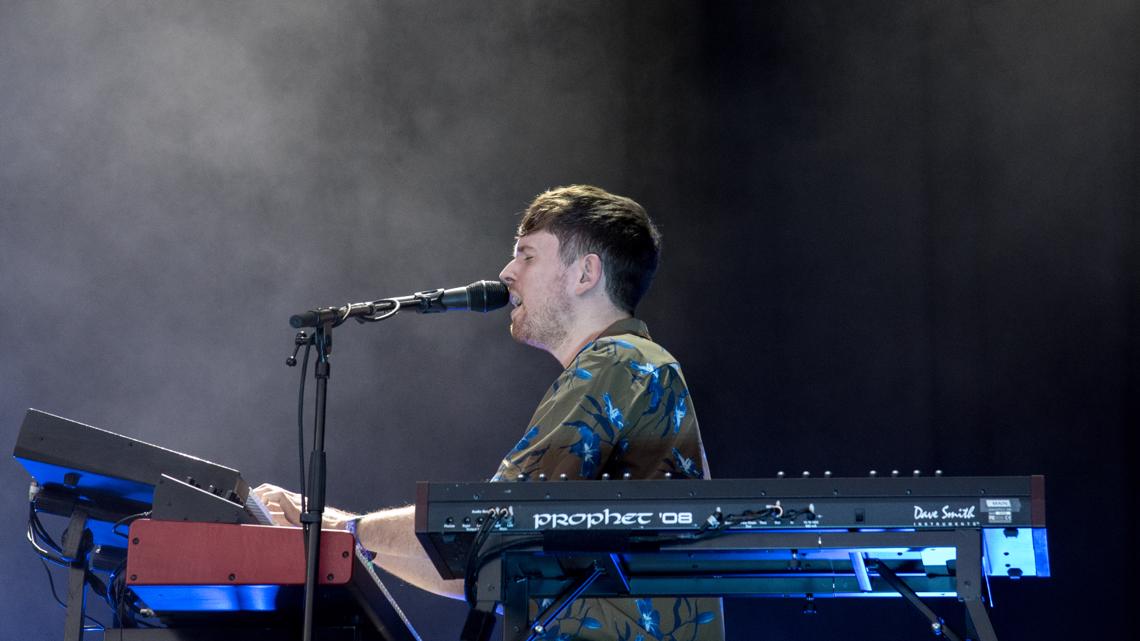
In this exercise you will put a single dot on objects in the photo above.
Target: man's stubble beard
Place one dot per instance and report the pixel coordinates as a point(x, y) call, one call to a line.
point(545, 327)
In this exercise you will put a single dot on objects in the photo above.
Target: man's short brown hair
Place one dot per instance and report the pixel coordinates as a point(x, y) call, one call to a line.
point(590, 220)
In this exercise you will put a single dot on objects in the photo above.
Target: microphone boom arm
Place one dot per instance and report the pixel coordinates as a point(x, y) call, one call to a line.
point(480, 296)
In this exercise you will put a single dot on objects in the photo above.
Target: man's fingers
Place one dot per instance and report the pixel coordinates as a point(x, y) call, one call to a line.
point(284, 506)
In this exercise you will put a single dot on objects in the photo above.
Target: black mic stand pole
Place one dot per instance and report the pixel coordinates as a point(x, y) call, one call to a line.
point(491, 295)
point(315, 504)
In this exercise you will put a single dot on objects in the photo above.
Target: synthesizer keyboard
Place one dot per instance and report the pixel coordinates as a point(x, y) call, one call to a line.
point(910, 537)
point(1009, 510)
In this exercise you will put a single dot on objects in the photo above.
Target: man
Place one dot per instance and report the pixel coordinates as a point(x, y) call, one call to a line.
point(583, 259)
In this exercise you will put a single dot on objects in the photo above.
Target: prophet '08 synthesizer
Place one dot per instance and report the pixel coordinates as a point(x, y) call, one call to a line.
point(1010, 511)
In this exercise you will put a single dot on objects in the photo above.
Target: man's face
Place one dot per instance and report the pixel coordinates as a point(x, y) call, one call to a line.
point(540, 291)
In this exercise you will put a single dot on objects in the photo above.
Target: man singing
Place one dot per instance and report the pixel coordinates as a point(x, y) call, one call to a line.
point(582, 261)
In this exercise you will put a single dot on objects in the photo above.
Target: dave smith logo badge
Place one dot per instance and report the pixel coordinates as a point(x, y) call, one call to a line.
point(945, 513)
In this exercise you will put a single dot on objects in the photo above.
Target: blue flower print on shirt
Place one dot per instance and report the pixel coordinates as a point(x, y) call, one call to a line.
point(524, 442)
point(521, 460)
point(641, 369)
point(680, 409)
point(607, 344)
point(613, 413)
point(650, 619)
point(656, 390)
point(605, 415)
point(685, 465)
point(588, 449)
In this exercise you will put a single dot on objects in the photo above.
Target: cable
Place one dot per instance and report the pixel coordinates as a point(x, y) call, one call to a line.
point(39, 537)
point(54, 595)
point(123, 603)
point(41, 531)
point(718, 524)
point(718, 521)
point(46, 555)
point(374, 318)
point(471, 573)
point(37, 533)
point(127, 519)
point(301, 420)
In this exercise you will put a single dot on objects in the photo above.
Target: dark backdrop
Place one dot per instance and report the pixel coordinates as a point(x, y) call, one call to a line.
point(899, 235)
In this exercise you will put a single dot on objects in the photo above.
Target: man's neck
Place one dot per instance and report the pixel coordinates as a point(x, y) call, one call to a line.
point(584, 333)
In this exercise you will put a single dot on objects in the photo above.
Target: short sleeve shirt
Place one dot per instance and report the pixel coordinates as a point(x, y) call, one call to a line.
point(621, 407)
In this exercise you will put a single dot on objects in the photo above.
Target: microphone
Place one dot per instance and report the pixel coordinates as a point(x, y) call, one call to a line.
point(480, 296)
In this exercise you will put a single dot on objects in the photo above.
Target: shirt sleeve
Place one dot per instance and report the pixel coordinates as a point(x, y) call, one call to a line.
point(662, 436)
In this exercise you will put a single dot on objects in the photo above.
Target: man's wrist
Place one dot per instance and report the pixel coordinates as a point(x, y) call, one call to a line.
point(350, 525)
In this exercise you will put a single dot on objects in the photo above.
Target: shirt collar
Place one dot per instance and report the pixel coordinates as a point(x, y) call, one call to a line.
point(624, 326)
point(627, 326)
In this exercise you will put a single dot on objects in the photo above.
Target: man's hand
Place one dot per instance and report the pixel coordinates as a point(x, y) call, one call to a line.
point(390, 533)
point(285, 508)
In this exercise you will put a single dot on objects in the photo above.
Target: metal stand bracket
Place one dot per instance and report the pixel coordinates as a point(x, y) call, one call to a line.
point(76, 546)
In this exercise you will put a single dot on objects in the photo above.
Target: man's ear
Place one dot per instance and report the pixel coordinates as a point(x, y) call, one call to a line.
point(589, 273)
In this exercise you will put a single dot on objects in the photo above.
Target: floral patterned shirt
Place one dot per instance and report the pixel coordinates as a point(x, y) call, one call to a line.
point(621, 407)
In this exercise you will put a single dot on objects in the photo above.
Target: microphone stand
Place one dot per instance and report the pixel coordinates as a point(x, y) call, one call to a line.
point(315, 504)
point(324, 320)
point(489, 295)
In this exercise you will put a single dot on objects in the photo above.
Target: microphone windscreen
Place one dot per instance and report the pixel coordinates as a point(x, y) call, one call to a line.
point(487, 295)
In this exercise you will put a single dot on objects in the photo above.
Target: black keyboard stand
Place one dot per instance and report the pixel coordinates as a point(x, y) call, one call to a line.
point(565, 571)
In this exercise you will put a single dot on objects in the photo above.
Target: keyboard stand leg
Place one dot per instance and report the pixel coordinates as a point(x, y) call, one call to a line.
point(978, 621)
point(76, 544)
point(479, 624)
point(968, 555)
point(480, 621)
point(937, 626)
point(516, 609)
point(969, 581)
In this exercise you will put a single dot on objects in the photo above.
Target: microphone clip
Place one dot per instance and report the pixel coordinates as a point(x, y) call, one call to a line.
point(299, 341)
point(428, 302)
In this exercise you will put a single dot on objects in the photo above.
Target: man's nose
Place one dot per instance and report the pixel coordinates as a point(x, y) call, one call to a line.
point(508, 274)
